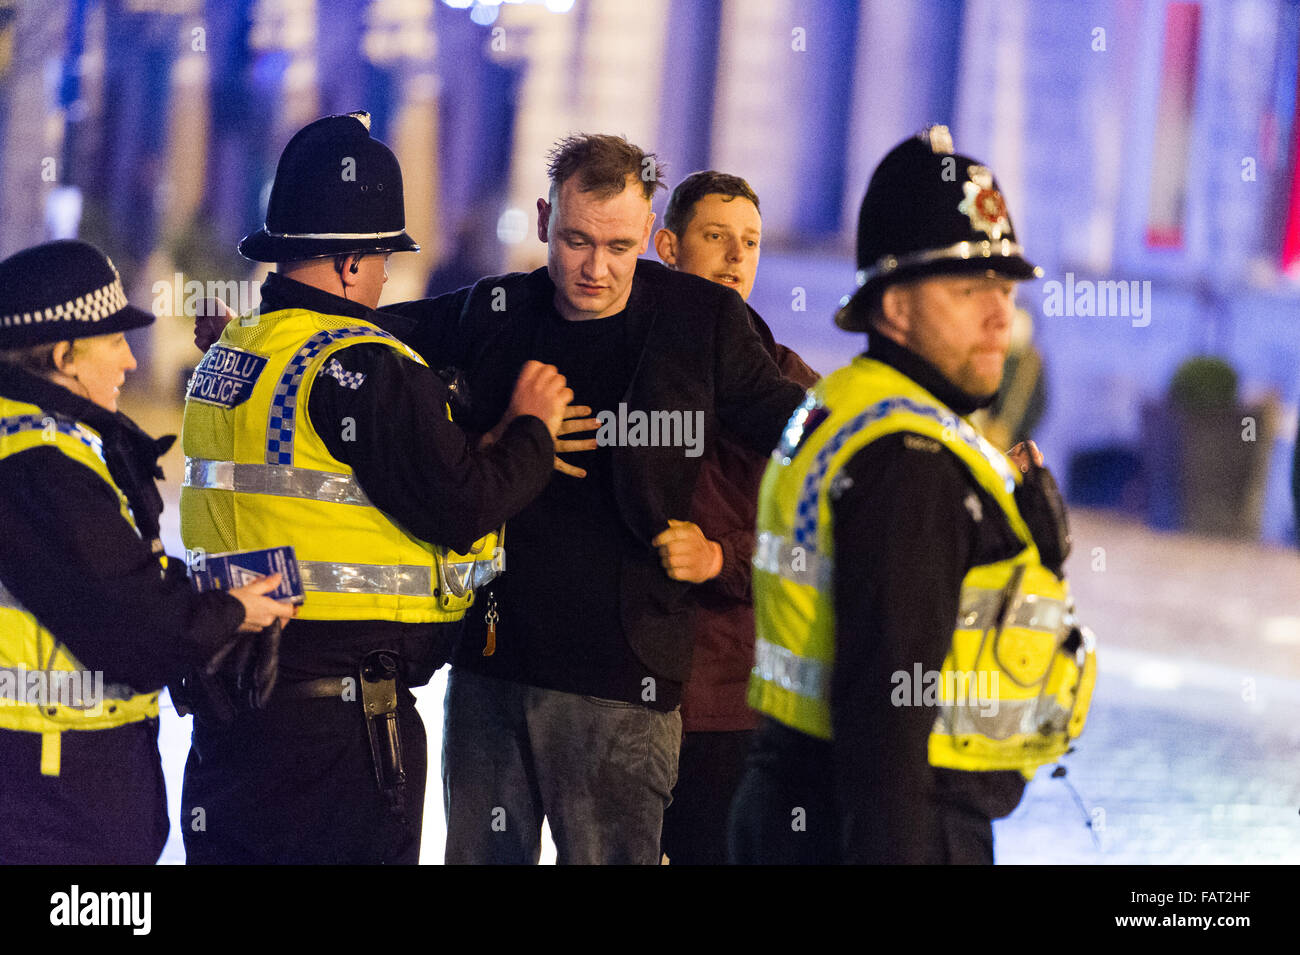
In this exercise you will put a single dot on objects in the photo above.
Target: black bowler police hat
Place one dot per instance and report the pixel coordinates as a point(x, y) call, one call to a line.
point(928, 211)
point(60, 291)
point(336, 191)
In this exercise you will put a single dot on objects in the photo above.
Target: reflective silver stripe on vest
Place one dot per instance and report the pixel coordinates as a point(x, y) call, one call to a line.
point(1040, 715)
point(800, 565)
point(801, 675)
point(463, 577)
point(276, 479)
point(403, 580)
point(979, 611)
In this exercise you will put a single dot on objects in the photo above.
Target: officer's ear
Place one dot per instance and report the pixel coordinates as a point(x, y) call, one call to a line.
point(62, 358)
point(893, 318)
point(666, 247)
point(348, 267)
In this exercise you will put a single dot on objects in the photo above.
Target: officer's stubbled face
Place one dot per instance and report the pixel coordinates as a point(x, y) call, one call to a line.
point(720, 243)
point(961, 324)
point(592, 247)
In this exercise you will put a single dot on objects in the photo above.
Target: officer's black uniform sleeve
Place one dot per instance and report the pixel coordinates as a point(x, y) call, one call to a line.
point(70, 558)
point(431, 326)
point(386, 417)
point(753, 399)
point(903, 541)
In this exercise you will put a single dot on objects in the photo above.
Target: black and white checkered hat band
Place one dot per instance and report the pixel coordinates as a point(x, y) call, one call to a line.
point(91, 307)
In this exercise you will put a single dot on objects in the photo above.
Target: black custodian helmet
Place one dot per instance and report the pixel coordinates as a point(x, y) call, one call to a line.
point(929, 211)
point(336, 191)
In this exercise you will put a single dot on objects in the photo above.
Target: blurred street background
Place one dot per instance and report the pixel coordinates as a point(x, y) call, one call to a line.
point(1148, 150)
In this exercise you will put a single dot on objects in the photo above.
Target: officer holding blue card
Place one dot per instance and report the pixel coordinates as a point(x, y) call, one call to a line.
point(94, 619)
point(307, 424)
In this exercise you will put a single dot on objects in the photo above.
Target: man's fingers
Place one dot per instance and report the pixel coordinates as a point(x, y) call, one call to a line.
point(569, 445)
point(576, 425)
point(564, 467)
point(579, 411)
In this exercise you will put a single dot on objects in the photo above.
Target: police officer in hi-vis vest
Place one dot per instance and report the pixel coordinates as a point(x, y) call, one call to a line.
point(308, 424)
point(917, 655)
point(94, 619)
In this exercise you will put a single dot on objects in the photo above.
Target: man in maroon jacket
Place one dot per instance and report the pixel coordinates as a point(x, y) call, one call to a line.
point(712, 228)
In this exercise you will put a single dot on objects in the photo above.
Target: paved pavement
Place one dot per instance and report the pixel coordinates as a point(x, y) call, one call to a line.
point(1192, 750)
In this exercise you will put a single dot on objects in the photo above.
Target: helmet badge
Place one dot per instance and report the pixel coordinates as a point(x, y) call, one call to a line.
point(984, 205)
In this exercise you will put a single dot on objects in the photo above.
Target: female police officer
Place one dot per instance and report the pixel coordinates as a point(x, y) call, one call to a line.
point(93, 619)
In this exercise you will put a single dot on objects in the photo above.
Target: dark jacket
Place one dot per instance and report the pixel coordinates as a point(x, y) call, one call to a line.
point(725, 507)
point(70, 558)
point(691, 347)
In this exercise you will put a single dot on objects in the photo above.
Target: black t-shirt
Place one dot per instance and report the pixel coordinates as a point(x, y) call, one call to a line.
point(559, 625)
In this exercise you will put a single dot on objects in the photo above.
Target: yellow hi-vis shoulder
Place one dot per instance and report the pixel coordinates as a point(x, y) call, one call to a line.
point(1018, 677)
point(258, 475)
point(43, 689)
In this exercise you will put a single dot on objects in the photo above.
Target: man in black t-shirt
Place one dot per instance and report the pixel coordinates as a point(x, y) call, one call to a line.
point(563, 700)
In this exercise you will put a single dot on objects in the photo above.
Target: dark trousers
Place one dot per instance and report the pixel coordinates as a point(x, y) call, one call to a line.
point(296, 784)
point(107, 806)
point(786, 815)
point(708, 774)
point(779, 819)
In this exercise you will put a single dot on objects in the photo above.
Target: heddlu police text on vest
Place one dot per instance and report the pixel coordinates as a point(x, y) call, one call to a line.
point(75, 907)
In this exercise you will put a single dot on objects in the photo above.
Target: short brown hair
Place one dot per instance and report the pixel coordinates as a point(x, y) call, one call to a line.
point(602, 164)
point(34, 359)
point(681, 204)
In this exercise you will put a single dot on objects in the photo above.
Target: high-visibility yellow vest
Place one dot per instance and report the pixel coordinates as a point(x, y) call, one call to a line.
point(1018, 677)
point(43, 689)
point(258, 475)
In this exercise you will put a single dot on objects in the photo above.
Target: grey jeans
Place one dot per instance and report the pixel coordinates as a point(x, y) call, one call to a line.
point(600, 771)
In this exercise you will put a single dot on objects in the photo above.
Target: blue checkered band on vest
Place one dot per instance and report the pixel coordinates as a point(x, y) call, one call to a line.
point(73, 429)
point(805, 527)
point(284, 403)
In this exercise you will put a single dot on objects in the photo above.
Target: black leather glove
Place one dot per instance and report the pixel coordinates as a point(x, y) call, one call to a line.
point(239, 676)
point(1043, 509)
point(255, 666)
